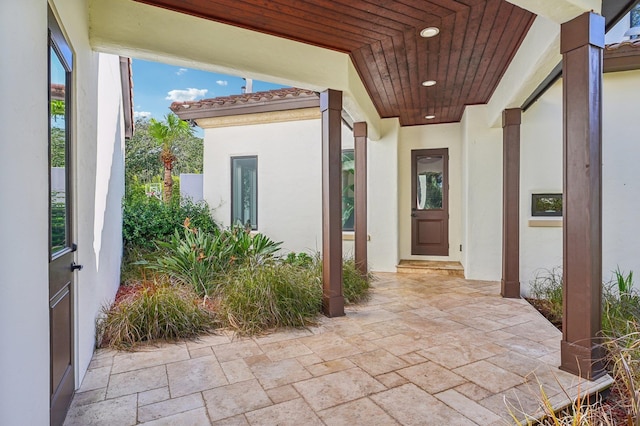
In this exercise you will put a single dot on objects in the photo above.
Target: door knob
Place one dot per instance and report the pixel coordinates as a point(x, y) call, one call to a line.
point(413, 215)
point(76, 267)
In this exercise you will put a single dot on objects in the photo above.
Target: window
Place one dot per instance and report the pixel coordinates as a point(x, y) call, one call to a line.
point(244, 191)
point(348, 196)
point(546, 204)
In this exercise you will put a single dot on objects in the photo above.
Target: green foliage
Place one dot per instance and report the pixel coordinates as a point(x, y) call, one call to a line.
point(167, 132)
point(153, 311)
point(57, 108)
point(147, 219)
point(58, 221)
point(255, 248)
point(58, 146)
point(259, 298)
point(355, 286)
point(142, 153)
point(195, 258)
point(547, 287)
point(433, 182)
point(348, 196)
point(299, 259)
point(621, 306)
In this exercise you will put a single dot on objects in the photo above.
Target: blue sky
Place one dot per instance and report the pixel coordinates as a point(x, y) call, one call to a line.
point(156, 85)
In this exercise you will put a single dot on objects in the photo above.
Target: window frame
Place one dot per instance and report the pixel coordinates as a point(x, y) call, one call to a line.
point(536, 212)
point(59, 44)
point(254, 226)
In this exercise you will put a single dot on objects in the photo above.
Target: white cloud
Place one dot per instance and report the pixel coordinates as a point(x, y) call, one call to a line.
point(222, 82)
point(181, 71)
point(141, 114)
point(185, 95)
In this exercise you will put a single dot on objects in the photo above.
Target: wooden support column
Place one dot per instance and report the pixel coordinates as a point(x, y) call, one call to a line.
point(331, 108)
point(511, 119)
point(360, 183)
point(581, 43)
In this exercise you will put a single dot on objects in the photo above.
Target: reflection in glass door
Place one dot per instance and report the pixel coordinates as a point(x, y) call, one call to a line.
point(61, 323)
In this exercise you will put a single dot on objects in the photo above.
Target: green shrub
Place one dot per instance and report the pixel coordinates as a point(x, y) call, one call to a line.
point(147, 219)
point(153, 311)
point(299, 259)
point(195, 258)
point(546, 290)
point(621, 306)
point(245, 246)
point(355, 286)
point(262, 297)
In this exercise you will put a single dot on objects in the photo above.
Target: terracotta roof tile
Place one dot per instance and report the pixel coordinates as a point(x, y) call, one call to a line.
point(57, 91)
point(244, 99)
point(626, 43)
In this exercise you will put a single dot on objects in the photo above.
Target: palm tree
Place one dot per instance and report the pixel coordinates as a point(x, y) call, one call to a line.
point(166, 134)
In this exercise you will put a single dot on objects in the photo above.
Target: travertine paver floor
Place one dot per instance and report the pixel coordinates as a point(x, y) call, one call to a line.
point(425, 350)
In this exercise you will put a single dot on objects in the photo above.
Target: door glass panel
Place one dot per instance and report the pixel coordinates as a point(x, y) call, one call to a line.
point(429, 170)
point(58, 155)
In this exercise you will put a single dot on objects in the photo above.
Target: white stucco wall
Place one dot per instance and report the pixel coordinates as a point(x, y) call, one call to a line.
point(98, 188)
point(290, 183)
point(541, 171)
point(382, 198)
point(289, 178)
point(24, 317)
point(621, 185)
point(430, 137)
point(191, 186)
point(481, 196)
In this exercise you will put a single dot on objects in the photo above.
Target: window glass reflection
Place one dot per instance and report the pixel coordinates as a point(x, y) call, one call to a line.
point(430, 170)
point(58, 154)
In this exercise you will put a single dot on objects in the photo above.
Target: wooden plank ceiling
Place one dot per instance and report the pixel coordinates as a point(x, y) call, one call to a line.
point(477, 40)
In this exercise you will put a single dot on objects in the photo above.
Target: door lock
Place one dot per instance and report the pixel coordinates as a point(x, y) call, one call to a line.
point(76, 267)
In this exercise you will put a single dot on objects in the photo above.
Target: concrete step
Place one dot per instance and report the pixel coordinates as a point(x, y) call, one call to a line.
point(437, 267)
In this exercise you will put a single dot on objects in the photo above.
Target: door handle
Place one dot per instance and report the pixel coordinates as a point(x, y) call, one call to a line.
point(413, 215)
point(76, 267)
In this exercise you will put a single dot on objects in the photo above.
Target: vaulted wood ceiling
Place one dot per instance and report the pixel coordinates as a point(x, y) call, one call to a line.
point(477, 40)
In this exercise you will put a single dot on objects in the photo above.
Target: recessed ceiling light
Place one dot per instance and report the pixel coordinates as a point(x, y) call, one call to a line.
point(428, 83)
point(429, 32)
point(429, 117)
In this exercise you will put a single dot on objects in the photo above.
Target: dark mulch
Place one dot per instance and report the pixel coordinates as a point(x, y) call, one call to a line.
point(545, 307)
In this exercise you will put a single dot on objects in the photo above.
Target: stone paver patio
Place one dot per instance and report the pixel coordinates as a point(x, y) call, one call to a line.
point(425, 350)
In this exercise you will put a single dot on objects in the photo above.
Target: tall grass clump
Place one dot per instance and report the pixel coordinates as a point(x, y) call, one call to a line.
point(621, 306)
point(262, 297)
point(153, 311)
point(355, 286)
point(546, 293)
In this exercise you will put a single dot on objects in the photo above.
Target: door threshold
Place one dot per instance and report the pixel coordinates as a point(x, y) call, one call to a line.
point(430, 267)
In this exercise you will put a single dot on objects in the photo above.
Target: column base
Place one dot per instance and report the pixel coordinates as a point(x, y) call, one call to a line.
point(333, 306)
point(587, 363)
point(510, 289)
